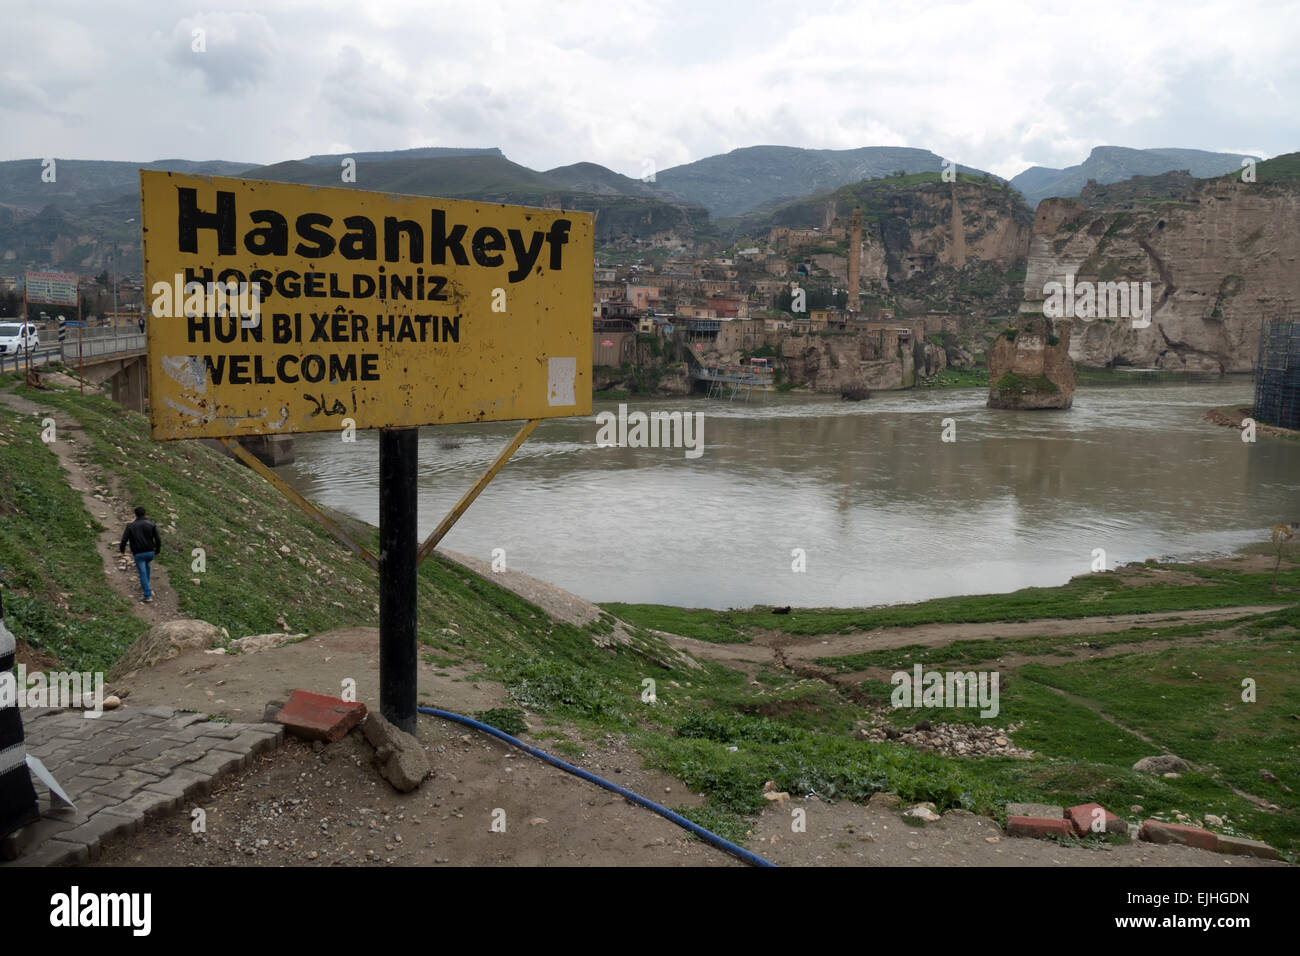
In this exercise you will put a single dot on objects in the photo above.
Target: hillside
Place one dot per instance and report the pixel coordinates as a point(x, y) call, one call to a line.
point(746, 179)
point(79, 183)
point(1112, 164)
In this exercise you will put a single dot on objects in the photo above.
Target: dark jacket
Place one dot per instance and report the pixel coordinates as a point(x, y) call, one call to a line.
point(142, 535)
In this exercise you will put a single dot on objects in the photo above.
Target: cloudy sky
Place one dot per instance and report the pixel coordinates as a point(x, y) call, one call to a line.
point(634, 83)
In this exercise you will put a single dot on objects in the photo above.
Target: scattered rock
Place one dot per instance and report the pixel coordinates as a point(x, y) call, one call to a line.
point(537, 821)
point(112, 702)
point(401, 758)
point(922, 812)
point(1268, 776)
point(1164, 763)
point(260, 642)
point(272, 709)
point(1171, 775)
point(953, 740)
point(1211, 820)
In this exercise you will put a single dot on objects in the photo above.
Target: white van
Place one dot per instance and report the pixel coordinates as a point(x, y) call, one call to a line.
point(18, 337)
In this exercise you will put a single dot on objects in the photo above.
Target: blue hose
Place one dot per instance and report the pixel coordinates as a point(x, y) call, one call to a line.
point(705, 835)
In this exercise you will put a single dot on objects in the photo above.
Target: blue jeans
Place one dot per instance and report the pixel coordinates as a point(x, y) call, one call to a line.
point(142, 560)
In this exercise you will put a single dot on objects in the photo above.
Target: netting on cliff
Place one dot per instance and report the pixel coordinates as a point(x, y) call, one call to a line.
point(1277, 375)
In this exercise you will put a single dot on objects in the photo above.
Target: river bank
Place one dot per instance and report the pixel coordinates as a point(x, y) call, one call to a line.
point(794, 699)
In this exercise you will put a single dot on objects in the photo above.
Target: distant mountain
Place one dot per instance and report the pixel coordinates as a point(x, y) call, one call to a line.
point(744, 179)
point(489, 177)
point(1113, 164)
point(591, 178)
point(80, 180)
point(420, 152)
point(91, 211)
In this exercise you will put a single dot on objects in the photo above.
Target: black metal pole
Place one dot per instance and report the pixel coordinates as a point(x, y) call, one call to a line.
point(398, 543)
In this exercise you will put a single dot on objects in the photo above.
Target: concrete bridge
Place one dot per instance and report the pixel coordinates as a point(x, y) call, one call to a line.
point(115, 355)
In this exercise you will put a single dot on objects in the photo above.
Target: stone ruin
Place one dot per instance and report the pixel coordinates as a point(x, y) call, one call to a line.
point(1030, 367)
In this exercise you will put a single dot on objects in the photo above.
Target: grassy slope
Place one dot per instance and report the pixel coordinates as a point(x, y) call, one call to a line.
point(56, 597)
point(792, 730)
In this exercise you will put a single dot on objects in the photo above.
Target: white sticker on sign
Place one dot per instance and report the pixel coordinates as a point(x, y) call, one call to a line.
point(562, 374)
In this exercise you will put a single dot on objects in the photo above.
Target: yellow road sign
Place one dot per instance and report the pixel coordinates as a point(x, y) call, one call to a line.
point(280, 308)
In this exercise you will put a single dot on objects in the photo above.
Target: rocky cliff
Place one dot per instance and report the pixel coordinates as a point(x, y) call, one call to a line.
point(875, 360)
point(911, 225)
point(1218, 261)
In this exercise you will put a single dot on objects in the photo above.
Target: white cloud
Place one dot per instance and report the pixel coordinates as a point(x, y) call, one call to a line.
point(993, 85)
point(232, 51)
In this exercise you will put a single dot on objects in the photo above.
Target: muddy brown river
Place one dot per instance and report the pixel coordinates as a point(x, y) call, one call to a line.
point(867, 496)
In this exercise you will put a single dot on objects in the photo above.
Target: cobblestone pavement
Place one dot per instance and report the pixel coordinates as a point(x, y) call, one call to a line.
point(122, 768)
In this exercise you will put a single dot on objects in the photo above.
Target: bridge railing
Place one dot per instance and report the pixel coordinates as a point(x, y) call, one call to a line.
point(106, 342)
point(102, 343)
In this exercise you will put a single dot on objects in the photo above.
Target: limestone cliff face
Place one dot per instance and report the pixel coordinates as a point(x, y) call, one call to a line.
point(943, 224)
point(1219, 261)
point(1033, 369)
point(911, 229)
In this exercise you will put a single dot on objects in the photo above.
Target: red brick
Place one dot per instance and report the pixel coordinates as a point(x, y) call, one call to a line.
point(1240, 846)
point(1083, 815)
point(1153, 831)
point(318, 717)
point(1041, 827)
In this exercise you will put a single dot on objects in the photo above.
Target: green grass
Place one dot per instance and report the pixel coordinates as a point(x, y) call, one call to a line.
point(1015, 384)
point(56, 595)
point(1092, 377)
point(1089, 595)
point(977, 377)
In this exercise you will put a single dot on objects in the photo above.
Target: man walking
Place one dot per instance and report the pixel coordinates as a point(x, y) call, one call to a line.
point(142, 535)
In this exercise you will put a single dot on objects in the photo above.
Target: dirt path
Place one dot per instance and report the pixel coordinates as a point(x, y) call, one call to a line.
point(937, 635)
point(770, 647)
point(103, 502)
point(1011, 662)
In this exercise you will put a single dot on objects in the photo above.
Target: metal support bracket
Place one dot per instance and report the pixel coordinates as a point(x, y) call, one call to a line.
point(467, 499)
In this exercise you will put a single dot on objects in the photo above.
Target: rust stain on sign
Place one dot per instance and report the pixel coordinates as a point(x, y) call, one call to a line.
point(281, 308)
